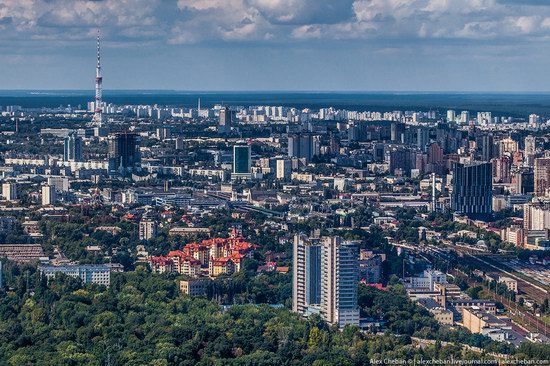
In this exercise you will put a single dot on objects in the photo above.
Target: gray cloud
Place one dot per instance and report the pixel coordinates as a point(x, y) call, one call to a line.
point(196, 21)
point(490, 30)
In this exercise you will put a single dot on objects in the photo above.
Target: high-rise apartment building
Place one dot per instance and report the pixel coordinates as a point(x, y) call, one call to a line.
point(9, 191)
point(451, 115)
point(72, 149)
point(124, 154)
point(473, 190)
point(542, 176)
point(339, 274)
point(304, 146)
point(325, 279)
point(49, 195)
point(530, 145)
point(225, 120)
point(525, 182)
point(283, 169)
point(148, 229)
point(306, 276)
point(536, 215)
point(487, 148)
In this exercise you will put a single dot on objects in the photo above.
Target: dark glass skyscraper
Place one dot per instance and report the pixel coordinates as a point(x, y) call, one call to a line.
point(473, 190)
point(241, 160)
point(124, 155)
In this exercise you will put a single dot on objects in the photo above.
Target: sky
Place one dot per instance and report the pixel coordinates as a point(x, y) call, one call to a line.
point(310, 45)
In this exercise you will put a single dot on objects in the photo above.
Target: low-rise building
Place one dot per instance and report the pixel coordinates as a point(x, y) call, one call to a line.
point(97, 274)
point(186, 231)
point(510, 283)
point(475, 319)
point(22, 253)
point(196, 287)
point(440, 313)
point(428, 279)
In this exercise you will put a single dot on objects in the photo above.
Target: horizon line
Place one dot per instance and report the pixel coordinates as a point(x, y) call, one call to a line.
point(287, 91)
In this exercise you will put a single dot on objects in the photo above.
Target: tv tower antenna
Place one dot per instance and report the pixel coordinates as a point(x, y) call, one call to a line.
point(98, 114)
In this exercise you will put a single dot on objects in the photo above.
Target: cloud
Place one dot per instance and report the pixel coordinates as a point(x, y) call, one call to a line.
point(300, 12)
point(180, 22)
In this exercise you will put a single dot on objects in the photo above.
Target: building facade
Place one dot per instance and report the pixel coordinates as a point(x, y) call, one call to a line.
point(242, 161)
point(473, 190)
point(148, 229)
point(96, 274)
point(124, 154)
point(72, 148)
point(542, 176)
point(306, 278)
point(339, 273)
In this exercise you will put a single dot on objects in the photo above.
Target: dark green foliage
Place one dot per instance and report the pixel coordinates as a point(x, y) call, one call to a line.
point(143, 320)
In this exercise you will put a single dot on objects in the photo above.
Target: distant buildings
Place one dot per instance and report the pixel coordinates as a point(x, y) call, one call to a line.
point(325, 279)
point(370, 266)
point(124, 154)
point(49, 195)
point(473, 190)
point(7, 224)
point(211, 257)
point(427, 280)
point(225, 121)
point(302, 146)
point(96, 274)
point(284, 169)
point(241, 161)
point(147, 229)
point(72, 148)
point(9, 191)
point(510, 283)
point(542, 176)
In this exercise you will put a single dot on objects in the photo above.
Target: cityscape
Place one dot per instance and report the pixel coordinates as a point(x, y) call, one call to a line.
point(274, 231)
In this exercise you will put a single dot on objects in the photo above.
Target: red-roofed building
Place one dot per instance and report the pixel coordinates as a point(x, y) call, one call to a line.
point(184, 263)
point(221, 266)
point(234, 248)
point(161, 264)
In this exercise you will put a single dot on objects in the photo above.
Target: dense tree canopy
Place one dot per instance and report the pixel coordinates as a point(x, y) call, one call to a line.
point(142, 319)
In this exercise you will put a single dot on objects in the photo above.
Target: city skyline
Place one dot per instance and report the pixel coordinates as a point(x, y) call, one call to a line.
point(290, 45)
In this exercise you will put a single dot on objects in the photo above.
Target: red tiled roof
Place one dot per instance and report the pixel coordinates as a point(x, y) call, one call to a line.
point(161, 260)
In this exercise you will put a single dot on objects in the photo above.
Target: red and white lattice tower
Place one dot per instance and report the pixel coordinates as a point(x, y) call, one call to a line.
point(98, 115)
